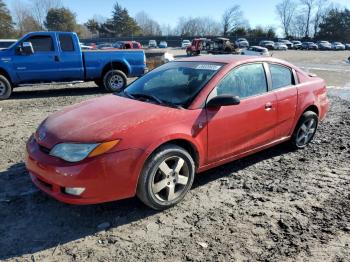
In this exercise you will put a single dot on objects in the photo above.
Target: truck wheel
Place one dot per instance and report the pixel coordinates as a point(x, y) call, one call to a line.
point(5, 88)
point(166, 177)
point(189, 53)
point(305, 130)
point(115, 81)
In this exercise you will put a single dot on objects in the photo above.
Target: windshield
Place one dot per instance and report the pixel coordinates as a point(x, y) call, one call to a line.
point(174, 84)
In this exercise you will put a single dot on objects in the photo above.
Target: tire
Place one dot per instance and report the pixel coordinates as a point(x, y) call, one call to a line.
point(160, 185)
point(189, 53)
point(305, 130)
point(5, 88)
point(115, 81)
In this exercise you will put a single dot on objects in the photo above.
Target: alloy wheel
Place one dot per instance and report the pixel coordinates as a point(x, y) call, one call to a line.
point(306, 132)
point(170, 179)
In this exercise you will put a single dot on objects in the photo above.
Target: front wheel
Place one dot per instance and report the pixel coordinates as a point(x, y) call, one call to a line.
point(305, 130)
point(166, 177)
point(5, 88)
point(115, 81)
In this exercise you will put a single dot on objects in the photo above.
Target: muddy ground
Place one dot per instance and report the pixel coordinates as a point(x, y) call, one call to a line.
point(273, 206)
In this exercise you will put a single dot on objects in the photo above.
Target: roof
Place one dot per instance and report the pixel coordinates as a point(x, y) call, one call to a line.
point(233, 59)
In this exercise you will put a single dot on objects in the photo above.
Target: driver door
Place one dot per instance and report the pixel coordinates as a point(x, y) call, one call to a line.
point(236, 129)
point(42, 66)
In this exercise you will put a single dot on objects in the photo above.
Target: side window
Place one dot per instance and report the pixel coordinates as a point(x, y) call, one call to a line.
point(41, 43)
point(135, 45)
point(66, 43)
point(281, 76)
point(245, 81)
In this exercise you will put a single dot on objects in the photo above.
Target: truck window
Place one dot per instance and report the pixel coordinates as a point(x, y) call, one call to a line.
point(41, 43)
point(66, 43)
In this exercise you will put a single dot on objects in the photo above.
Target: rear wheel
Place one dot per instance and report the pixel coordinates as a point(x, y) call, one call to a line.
point(115, 81)
point(166, 177)
point(5, 88)
point(305, 130)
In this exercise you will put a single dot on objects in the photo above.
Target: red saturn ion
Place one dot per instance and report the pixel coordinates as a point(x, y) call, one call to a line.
point(180, 119)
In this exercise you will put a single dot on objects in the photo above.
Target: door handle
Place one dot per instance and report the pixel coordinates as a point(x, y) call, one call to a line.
point(268, 106)
point(57, 58)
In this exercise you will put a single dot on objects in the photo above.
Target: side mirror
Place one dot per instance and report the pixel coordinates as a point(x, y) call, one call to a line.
point(223, 100)
point(26, 48)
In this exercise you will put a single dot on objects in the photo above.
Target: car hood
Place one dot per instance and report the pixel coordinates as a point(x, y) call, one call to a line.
point(101, 119)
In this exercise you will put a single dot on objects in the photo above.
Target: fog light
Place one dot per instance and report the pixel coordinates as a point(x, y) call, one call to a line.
point(75, 191)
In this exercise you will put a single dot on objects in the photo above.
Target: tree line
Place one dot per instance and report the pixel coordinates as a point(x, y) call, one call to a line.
point(298, 19)
point(319, 19)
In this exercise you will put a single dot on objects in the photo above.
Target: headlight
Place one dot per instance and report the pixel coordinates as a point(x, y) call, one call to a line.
point(73, 152)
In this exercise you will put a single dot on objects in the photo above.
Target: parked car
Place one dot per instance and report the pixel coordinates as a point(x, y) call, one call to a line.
point(220, 46)
point(127, 45)
point(297, 45)
point(288, 43)
point(242, 43)
point(170, 124)
point(163, 44)
point(46, 57)
point(6, 43)
point(105, 46)
point(338, 46)
point(309, 46)
point(197, 46)
point(185, 44)
point(268, 44)
point(347, 46)
point(324, 45)
point(281, 46)
point(256, 51)
point(152, 44)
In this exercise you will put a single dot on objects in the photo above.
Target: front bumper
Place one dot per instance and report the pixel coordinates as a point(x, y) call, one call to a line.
point(108, 177)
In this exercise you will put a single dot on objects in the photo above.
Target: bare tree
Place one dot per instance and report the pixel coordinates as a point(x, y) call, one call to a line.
point(298, 25)
point(148, 26)
point(231, 19)
point(23, 18)
point(285, 11)
point(323, 8)
point(309, 6)
point(40, 8)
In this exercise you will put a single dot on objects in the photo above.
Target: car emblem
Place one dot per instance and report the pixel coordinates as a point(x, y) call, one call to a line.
point(42, 134)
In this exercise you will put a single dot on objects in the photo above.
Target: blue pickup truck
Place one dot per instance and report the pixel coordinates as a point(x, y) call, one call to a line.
point(46, 57)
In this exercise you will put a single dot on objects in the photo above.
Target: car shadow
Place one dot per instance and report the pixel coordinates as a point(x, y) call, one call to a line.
point(33, 222)
point(19, 93)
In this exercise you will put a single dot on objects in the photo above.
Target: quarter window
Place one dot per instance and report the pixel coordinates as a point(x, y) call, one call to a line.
point(281, 76)
point(41, 43)
point(66, 43)
point(245, 81)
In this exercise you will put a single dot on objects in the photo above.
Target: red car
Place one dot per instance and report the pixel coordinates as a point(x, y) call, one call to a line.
point(180, 119)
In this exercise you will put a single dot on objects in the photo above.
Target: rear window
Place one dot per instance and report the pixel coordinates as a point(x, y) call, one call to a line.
point(66, 43)
point(41, 43)
point(281, 76)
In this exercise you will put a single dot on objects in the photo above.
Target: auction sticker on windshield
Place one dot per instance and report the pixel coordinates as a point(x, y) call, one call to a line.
point(208, 67)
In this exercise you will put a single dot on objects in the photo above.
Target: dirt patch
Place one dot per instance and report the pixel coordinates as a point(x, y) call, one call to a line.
point(272, 206)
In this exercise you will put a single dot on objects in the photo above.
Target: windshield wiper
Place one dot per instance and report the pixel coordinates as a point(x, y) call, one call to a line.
point(148, 96)
point(152, 97)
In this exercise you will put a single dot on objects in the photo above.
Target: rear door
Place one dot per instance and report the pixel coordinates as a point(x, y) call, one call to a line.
point(42, 66)
point(70, 58)
point(283, 85)
point(236, 129)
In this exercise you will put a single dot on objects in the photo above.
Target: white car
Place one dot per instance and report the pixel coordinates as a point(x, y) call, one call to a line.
point(152, 44)
point(242, 43)
point(281, 46)
point(185, 44)
point(256, 51)
point(338, 46)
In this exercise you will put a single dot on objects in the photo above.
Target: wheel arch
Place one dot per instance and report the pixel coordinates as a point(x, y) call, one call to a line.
point(6, 74)
point(117, 65)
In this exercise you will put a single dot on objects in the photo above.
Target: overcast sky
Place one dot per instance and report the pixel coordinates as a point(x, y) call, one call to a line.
point(167, 12)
